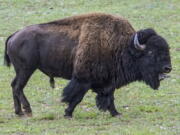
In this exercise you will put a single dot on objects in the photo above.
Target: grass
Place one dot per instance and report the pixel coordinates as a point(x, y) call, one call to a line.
point(145, 112)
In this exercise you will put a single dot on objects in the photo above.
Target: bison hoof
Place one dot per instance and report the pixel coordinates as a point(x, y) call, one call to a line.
point(28, 114)
point(68, 116)
point(118, 115)
point(19, 114)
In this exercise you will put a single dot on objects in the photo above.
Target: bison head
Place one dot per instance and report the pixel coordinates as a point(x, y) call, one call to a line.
point(152, 56)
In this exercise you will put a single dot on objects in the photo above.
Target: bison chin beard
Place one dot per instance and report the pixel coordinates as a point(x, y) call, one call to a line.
point(152, 80)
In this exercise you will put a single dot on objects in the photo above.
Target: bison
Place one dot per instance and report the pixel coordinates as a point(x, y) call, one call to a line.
point(94, 51)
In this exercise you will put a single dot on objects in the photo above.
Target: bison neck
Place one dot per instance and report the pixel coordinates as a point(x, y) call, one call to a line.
point(127, 69)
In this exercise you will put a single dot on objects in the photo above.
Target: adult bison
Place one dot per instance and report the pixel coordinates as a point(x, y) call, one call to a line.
point(97, 51)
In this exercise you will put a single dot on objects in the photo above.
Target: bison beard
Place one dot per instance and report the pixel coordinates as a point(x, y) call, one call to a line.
point(96, 51)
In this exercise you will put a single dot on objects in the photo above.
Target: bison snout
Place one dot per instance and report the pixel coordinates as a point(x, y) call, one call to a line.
point(167, 68)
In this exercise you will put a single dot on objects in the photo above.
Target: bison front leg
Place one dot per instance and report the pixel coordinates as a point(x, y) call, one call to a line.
point(73, 94)
point(105, 101)
point(111, 107)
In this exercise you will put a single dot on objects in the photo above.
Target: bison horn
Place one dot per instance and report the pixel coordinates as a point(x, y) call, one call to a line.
point(137, 45)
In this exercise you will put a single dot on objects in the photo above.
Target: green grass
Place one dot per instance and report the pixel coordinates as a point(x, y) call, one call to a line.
point(145, 112)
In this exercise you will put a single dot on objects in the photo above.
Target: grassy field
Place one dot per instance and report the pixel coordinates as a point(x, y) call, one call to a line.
point(145, 112)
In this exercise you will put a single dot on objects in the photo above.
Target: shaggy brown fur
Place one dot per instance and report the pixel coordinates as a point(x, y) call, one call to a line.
point(97, 38)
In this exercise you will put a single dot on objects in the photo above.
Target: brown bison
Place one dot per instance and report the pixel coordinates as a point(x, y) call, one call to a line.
point(97, 51)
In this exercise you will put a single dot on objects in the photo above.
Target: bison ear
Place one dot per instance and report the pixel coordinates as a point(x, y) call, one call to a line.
point(141, 37)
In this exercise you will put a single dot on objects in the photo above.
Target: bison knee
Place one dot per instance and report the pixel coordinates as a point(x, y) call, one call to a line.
point(13, 83)
point(74, 89)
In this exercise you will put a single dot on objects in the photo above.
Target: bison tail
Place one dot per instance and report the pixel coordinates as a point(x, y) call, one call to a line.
point(7, 61)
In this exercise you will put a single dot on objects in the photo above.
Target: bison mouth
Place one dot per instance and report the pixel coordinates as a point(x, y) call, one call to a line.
point(153, 80)
point(163, 76)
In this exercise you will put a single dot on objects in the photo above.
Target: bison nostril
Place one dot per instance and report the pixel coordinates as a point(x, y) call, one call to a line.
point(167, 69)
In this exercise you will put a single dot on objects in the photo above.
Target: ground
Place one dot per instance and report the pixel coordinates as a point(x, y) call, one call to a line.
point(145, 112)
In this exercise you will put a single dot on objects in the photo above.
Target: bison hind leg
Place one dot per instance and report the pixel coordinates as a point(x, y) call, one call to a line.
point(18, 84)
